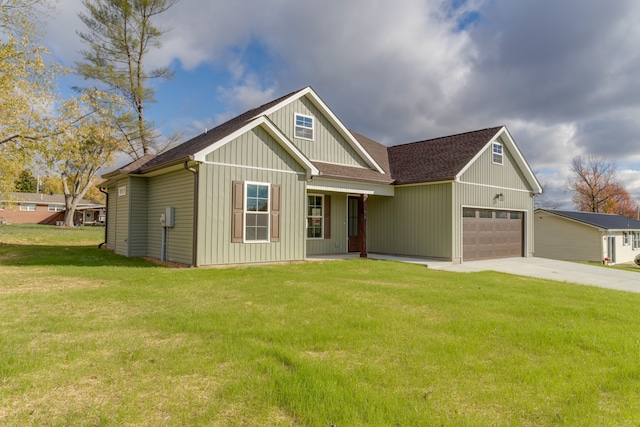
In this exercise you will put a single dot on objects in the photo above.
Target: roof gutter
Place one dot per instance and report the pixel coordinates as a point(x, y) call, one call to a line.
point(194, 247)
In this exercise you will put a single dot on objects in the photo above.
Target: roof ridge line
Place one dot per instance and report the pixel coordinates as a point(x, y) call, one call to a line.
point(446, 136)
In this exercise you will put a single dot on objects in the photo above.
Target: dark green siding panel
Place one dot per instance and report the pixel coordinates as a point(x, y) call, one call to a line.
point(328, 144)
point(337, 244)
point(138, 216)
point(417, 221)
point(175, 190)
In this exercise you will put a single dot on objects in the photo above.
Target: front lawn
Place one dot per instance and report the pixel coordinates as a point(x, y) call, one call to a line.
point(91, 338)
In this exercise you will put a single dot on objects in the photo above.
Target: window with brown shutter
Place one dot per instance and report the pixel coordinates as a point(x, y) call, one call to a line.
point(237, 214)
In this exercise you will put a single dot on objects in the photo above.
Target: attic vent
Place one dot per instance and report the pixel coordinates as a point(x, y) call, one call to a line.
point(303, 127)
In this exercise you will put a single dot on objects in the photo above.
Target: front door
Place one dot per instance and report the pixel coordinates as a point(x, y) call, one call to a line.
point(354, 236)
point(611, 249)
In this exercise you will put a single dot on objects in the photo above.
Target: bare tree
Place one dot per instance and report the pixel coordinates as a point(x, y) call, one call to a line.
point(594, 184)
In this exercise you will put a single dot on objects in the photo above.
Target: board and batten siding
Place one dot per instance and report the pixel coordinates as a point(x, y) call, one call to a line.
point(112, 209)
point(174, 189)
point(417, 221)
point(253, 156)
point(328, 144)
point(484, 197)
point(257, 149)
point(138, 216)
point(119, 217)
point(337, 243)
point(563, 239)
point(484, 171)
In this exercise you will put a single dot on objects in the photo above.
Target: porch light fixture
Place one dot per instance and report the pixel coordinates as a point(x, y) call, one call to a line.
point(499, 197)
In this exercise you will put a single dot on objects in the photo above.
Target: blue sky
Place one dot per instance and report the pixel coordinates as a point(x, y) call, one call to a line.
point(563, 76)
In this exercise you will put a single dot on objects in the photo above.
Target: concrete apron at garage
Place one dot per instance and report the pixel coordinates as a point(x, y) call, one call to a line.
point(562, 271)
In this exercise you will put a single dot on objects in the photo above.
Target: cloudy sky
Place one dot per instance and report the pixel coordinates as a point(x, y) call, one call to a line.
point(562, 75)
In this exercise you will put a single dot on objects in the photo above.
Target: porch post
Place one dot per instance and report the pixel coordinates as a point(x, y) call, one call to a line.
point(362, 224)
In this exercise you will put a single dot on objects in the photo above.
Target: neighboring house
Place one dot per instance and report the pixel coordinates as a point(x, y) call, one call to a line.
point(288, 180)
point(586, 236)
point(39, 208)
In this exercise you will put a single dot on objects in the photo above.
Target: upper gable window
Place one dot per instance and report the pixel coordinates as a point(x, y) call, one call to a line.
point(497, 153)
point(303, 127)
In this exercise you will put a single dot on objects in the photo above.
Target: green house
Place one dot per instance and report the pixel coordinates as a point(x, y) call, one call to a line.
point(289, 180)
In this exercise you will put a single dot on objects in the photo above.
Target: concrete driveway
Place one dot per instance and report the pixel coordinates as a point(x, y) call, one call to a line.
point(561, 271)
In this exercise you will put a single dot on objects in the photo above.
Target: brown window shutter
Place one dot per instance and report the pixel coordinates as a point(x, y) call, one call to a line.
point(327, 217)
point(275, 213)
point(237, 214)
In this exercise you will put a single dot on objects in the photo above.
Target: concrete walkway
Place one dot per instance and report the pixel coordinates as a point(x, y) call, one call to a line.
point(561, 271)
point(542, 268)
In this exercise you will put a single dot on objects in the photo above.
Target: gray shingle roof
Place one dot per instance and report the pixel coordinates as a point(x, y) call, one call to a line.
point(423, 161)
point(600, 220)
point(437, 159)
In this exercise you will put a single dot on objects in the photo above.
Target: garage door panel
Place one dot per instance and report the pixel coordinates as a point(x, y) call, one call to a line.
point(498, 235)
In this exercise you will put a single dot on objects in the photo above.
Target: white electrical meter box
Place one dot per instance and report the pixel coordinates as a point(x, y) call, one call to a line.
point(169, 217)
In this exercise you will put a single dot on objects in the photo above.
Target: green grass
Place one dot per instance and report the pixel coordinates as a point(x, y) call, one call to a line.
point(91, 338)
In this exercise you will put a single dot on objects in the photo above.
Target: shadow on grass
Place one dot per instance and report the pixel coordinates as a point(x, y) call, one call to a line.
point(81, 256)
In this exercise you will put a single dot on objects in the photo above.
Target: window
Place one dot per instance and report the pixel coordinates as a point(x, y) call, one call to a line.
point(314, 216)
point(501, 214)
point(29, 207)
point(497, 153)
point(303, 127)
point(626, 240)
point(55, 208)
point(256, 228)
point(469, 213)
point(515, 215)
point(122, 191)
point(486, 214)
point(636, 240)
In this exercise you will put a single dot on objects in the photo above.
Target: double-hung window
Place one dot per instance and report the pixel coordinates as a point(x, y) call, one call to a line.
point(315, 216)
point(496, 149)
point(636, 240)
point(28, 207)
point(55, 208)
point(303, 126)
point(626, 238)
point(256, 224)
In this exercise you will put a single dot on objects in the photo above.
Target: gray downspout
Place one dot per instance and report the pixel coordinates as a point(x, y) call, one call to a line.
point(106, 223)
point(194, 249)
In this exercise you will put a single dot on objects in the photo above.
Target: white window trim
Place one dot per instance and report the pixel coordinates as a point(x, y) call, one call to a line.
point(23, 207)
point(55, 208)
point(626, 238)
point(313, 126)
point(493, 153)
point(635, 240)
point(122, 191)
point(268, 213)
point(314, 216)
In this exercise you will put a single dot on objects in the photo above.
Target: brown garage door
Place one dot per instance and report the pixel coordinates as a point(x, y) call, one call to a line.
point(491, 234)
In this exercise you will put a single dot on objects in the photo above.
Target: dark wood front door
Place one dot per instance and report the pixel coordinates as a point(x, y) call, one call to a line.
point(352, 224)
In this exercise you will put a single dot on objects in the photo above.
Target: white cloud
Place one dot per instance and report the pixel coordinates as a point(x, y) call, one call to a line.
point(563, 76)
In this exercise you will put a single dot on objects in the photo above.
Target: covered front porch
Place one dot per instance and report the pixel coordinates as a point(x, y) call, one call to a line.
point(337, 216)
